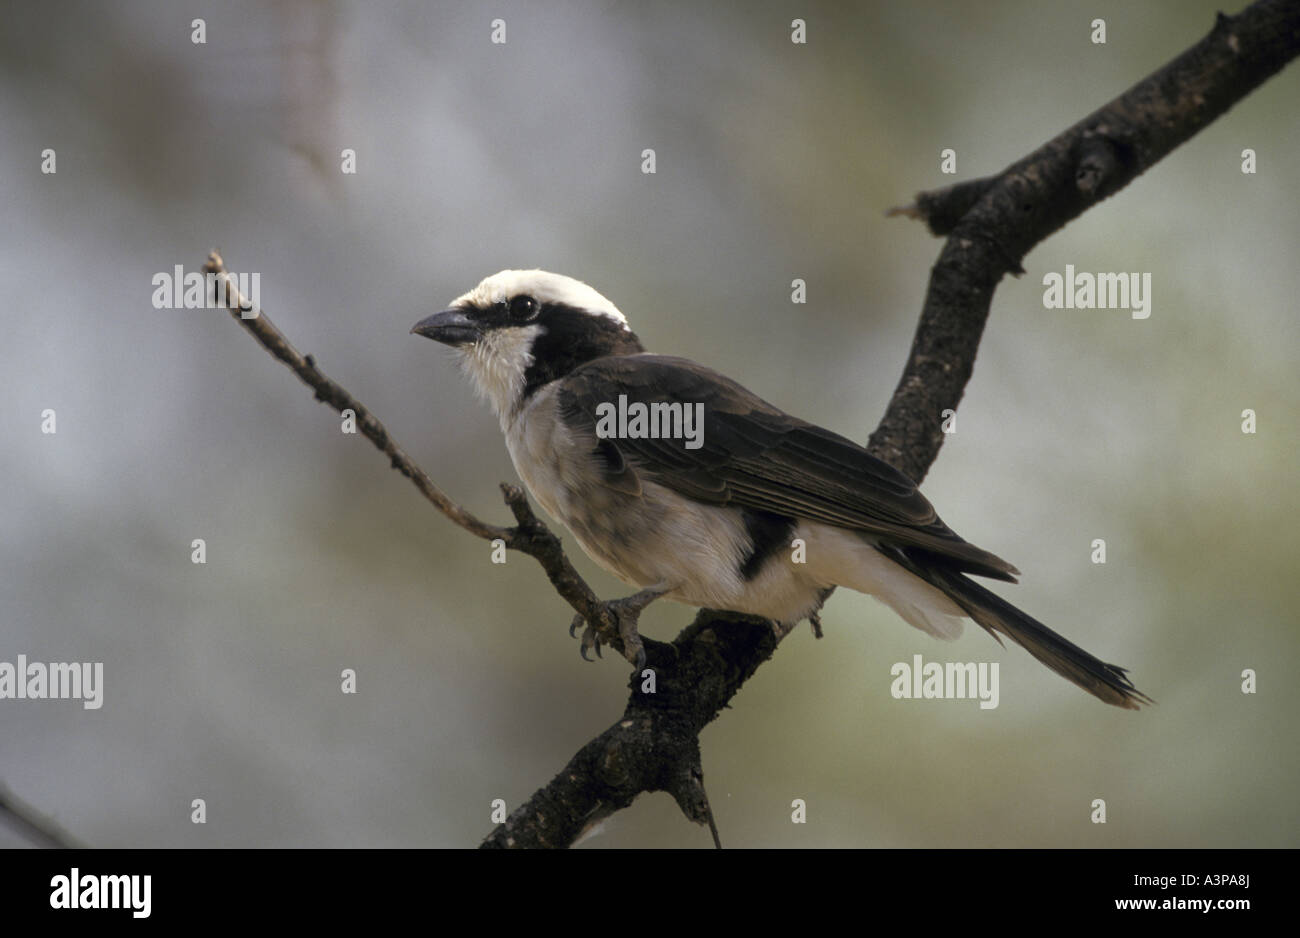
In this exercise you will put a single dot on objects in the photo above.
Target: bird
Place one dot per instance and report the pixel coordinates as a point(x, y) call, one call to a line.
point(685, 484)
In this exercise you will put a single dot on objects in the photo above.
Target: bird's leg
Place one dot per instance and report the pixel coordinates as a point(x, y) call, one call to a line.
point(814, 618)
point(626, 612)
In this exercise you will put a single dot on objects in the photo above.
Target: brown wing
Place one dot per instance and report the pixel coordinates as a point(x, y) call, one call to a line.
point(756, 456)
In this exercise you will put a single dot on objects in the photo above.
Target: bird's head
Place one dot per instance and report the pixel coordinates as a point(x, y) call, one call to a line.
point(519, 330)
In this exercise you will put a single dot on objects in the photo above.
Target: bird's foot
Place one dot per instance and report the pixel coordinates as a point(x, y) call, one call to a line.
point(626, 612)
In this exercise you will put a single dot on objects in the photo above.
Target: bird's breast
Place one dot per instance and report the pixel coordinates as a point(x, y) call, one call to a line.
point(655, 538)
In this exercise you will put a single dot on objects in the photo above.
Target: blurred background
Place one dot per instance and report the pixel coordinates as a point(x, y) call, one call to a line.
point(775, 161)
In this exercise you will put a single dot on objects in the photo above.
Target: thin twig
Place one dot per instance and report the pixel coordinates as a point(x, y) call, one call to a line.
point(529, 536)
point(39, 829)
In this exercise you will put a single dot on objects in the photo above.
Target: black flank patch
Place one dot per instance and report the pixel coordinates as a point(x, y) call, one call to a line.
point(768, 533)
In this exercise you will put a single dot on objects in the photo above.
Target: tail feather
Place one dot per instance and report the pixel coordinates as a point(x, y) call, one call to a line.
point(1107, 682)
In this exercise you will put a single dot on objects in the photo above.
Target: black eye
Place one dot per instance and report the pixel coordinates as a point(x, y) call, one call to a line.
point(523, 308)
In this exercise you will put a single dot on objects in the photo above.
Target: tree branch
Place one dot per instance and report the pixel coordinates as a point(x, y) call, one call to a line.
point(993, 222)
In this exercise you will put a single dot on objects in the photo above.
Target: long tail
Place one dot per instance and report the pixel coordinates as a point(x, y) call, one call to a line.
point(1107, 682)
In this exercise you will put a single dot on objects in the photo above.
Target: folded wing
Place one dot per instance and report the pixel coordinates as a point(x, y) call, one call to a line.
point(754, 455)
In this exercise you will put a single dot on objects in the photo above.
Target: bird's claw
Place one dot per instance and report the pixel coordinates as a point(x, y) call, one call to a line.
point(626, 612)
point(590, 640)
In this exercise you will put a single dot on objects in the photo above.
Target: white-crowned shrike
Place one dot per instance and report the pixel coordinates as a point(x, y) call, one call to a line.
point(681, 482)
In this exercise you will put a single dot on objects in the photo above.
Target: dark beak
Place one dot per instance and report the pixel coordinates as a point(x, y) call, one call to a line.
point(450, 327)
